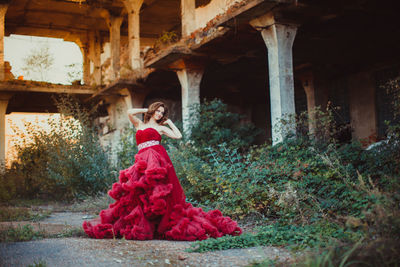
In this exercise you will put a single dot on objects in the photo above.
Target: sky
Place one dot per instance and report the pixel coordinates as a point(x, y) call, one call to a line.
point(18, 47)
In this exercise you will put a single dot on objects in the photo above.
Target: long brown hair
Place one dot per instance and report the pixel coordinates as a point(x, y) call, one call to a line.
point(152, 108)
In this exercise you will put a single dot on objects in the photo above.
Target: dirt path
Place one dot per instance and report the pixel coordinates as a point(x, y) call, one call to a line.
point(91, 252)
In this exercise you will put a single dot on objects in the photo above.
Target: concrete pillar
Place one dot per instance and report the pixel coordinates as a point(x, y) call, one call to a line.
point(189, 76)
point(279, 40)
point(3, 10)
point(188, 14)
point(95, 54)
point(4, 98)
point(114, 25)
point(115, 41)
point(133, 7)
point(363, 107)
point(86, 64)
point(307, 80)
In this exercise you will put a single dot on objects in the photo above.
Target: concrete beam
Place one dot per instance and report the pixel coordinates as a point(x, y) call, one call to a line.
point(4, 98)
point(29, 86)
point(188, 14)
point(363, 107)
point(133, 7)
point(279, 40)
point(189, 75)
point(3, 10)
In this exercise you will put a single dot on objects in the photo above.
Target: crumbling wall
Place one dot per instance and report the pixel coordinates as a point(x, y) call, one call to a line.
point(208, 12)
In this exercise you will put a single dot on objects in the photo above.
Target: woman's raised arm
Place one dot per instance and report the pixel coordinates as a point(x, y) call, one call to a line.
point(173, 132)
point(131, 115)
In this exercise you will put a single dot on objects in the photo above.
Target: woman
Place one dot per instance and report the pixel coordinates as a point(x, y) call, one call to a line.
point(150, 202)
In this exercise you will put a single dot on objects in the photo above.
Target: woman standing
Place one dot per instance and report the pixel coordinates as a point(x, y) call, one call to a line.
point(150, 202)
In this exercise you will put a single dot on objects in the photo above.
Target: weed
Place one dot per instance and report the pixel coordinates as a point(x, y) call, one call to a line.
point(20, 233)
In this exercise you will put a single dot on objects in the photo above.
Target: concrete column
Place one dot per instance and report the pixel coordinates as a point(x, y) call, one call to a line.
point(115, 41)
point(363, 107)
point(3, 10)
point(95, 53)
point(133, 7)
point(4, 98)
point(86, 64)
point(190, 78)
point(307, 80)
point(188, 14)
point(114, 25)
point(279, 40)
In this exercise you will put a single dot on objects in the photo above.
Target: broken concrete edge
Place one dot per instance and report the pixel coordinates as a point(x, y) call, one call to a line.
point(134, 83)
point(43, 87)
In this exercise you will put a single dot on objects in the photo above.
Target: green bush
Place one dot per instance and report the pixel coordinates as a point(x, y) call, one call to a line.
point(64, 162)
point(216, 125)
point(127, 149)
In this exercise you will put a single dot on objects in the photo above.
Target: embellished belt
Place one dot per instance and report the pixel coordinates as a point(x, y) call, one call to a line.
point(148, 143)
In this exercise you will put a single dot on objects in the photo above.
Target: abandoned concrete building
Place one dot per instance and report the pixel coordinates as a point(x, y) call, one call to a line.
point(264, 58)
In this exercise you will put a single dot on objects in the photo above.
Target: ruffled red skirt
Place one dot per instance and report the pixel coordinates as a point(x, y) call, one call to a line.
point(150, 204)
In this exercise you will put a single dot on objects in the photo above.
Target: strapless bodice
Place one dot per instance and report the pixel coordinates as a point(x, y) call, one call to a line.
point(148, 134)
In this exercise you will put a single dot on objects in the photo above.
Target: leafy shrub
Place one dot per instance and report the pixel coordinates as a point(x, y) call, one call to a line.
point(8, 186)
point(64, 162)
point(127, 149)
point(216, 125)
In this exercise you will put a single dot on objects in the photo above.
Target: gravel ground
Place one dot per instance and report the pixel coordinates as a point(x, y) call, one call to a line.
point(91, 252)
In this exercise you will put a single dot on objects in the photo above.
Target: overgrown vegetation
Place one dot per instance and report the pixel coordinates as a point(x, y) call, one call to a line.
point(165, 39)
point(308, 191)
point(20, 233)
point(64, 162)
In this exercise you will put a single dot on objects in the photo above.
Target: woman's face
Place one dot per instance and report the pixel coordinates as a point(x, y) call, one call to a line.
point(159, 113)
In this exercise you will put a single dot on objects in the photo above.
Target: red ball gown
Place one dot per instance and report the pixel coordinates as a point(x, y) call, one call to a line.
point(150, 202)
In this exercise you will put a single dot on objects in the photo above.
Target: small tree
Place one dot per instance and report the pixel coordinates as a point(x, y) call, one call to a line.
point(38, 62)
